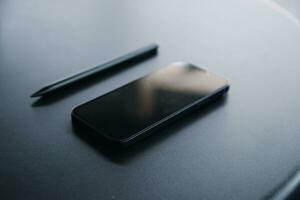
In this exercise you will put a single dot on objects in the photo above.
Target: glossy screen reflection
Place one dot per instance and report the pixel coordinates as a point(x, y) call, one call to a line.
point(144, 102)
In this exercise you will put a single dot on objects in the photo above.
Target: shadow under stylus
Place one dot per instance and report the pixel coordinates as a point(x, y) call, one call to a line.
point(87, 82)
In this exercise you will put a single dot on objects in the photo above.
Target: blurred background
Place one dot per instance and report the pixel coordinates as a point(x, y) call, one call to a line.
point(244, 149)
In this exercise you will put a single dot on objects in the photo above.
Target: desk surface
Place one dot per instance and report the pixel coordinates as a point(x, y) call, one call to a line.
point(239, 148)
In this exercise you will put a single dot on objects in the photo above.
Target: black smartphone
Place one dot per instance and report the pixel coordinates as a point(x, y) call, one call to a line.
point(140, 107)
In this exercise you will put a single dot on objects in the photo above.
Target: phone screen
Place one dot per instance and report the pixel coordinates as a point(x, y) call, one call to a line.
point(144, 102)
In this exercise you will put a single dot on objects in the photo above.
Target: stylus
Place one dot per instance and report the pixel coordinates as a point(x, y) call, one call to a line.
point(133, 56)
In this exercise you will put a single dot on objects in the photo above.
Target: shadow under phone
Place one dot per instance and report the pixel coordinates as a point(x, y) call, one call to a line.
point(120, 155)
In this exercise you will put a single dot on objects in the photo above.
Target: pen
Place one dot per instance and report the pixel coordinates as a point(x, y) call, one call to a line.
point(66, 81)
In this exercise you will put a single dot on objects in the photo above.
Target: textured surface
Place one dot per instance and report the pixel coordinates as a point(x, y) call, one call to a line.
point(238, 148)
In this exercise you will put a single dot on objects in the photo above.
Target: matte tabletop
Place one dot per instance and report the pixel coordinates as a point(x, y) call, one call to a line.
point(240, 147)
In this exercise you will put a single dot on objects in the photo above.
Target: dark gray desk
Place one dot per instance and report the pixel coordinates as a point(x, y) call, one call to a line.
point(239, 148)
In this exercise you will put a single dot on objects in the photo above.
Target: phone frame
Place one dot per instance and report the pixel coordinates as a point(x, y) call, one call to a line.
point(153, 127)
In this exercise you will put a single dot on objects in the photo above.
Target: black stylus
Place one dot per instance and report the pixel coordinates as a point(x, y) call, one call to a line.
point(125, 59)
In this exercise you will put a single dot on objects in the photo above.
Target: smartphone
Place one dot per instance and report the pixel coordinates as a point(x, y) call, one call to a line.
point(133, 111)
